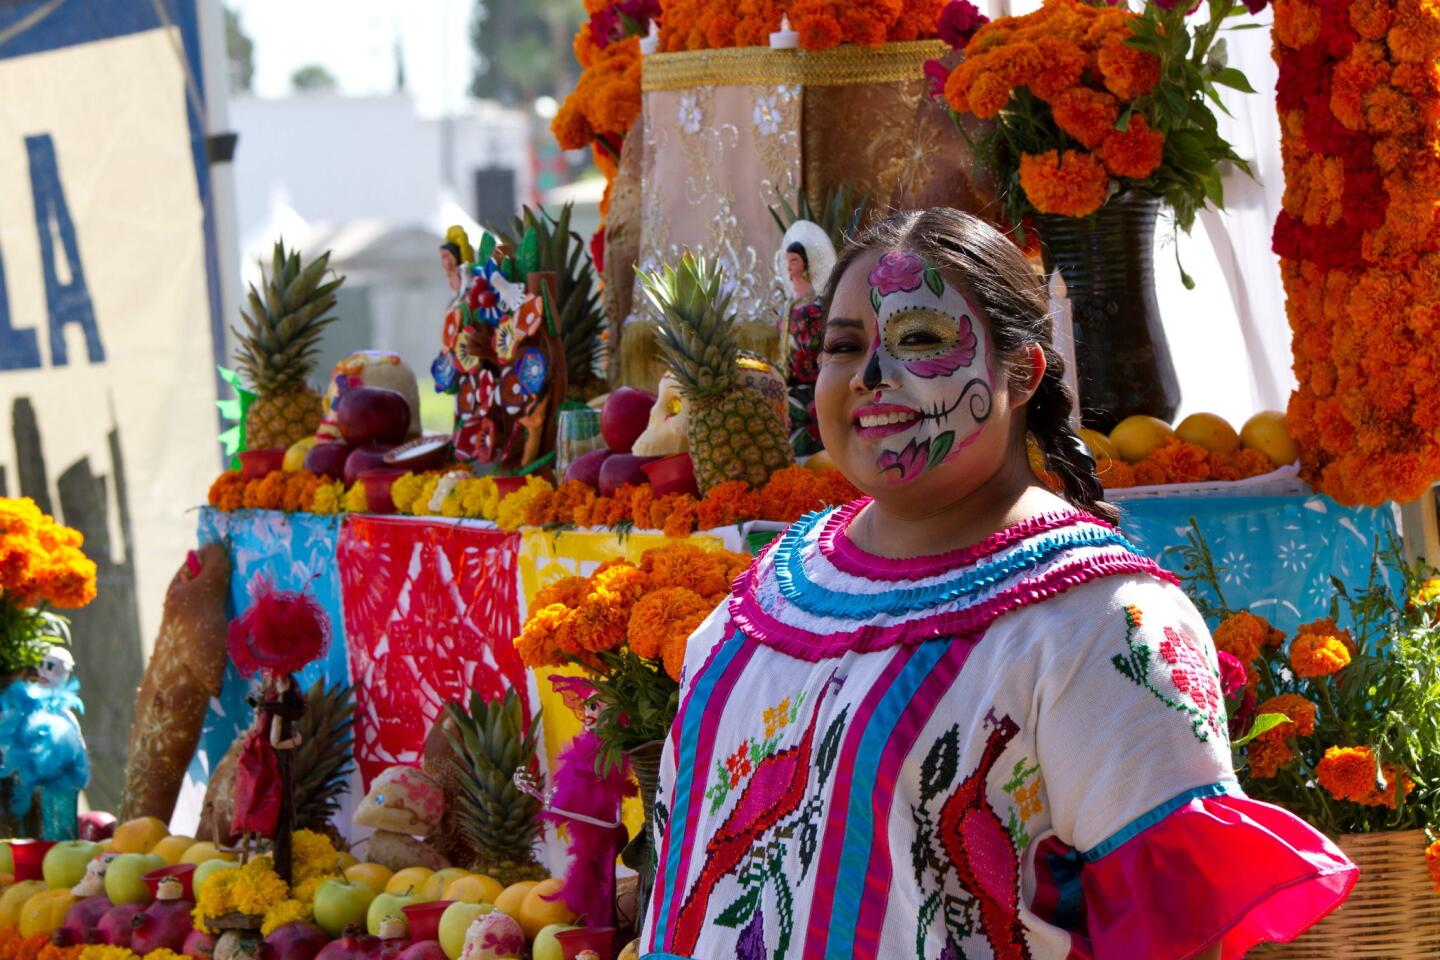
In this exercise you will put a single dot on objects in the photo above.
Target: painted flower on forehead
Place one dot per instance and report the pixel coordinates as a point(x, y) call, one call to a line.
point(899, 271)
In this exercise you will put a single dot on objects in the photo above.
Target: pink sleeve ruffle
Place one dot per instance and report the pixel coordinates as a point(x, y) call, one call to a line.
point(1219, 868)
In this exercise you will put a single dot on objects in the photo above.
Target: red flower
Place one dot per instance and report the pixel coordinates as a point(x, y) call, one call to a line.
point(959, 21)
point(738, 764)
point(936, 73)
point(1232, 673)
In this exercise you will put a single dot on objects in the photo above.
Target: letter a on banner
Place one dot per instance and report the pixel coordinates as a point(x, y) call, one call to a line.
point(67, 302)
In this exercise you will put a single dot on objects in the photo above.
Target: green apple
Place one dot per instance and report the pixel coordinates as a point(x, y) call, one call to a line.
point(388, 905)
point(455, 921)
point(339, 903)
point(64, 864)
point(546, 947)
point(208, 869)
point(7, 859)
point(124, 878)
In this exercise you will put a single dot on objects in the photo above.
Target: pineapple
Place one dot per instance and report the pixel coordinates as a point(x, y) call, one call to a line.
point(736, 432)
point(323, 759)
point(499, 822)
point(277, 349)
point(578, 313)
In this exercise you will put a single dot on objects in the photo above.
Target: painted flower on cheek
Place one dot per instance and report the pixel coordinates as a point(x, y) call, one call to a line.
point(898, 271)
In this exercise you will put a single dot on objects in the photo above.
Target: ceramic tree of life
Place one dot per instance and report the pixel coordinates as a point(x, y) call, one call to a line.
point(929, 369)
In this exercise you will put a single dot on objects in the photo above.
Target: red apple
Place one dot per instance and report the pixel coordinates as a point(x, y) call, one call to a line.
point(373, 415)
point(620, 469)
point(369, 457)
point(586, 467)
point(328, 459)
point(96, 825)
point(624, 417)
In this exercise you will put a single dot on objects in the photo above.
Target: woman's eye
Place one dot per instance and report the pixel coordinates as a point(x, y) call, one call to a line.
point(919, 338)
point(840, 346)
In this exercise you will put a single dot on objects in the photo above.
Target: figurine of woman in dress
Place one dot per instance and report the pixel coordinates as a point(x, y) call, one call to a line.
point(805, 260)
point(279, 634)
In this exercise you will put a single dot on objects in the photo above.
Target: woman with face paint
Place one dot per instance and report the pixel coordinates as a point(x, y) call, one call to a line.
point(961, 717)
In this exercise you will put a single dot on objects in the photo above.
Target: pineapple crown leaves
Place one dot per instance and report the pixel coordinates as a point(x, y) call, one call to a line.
point(840, 213)
point(323, 761)
point(696, 325)
point(284, 320)
point(491, 744)
point(577, 313)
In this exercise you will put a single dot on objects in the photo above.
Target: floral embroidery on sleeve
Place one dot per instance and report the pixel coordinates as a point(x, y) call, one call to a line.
point(1181, 659)
point(732, 771)
point(1024, 788)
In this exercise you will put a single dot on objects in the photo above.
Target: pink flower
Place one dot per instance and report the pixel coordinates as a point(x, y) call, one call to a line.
point(936, 73)
point(899, 271)
point(1232, 673)
point(959, 21)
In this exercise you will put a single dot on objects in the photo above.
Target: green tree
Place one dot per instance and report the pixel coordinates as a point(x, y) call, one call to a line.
point(240, 51)
point(313, 78)
point(522, 51)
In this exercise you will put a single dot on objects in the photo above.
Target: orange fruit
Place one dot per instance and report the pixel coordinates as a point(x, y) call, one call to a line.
point(1100, 446)
point(374, 875)
point(439, 880)
point(1135, 437)
point(345, 860)
point(475, 888)
point(140, 835)
point(1267, 432)
point(820, 460)
point(173, 848)
point(411, 879)
point(1209, 431)
point(539, 910)
point(513, 897)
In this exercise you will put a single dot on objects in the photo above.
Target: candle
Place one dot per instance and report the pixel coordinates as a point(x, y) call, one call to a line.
point(784, 38)
point(651, 41)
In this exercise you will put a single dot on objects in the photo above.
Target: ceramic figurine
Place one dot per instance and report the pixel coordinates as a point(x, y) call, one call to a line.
point(41, 746)
point(805, 260)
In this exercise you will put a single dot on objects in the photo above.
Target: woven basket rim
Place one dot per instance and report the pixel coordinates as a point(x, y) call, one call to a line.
point(845, 65)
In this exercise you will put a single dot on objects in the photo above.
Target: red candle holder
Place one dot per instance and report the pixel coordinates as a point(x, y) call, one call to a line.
point(574, 942)
point(424, 919)
point(29, 855)
point(377, 489)
point(184, 872)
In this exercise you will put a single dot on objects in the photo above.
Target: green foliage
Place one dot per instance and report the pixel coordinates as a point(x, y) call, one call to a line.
point(1193, 68)
point(638, 701)
point(1387, 699)
point(841, 212)
point(26, 633)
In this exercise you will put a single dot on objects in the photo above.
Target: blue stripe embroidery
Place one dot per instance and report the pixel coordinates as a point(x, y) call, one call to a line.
point(685, 774)
point(1145, 821)
point(797, 587)
point(860, 814)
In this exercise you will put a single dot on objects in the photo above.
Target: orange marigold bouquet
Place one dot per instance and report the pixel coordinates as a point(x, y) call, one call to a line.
point(627, 625)
point(1088, 100)
point(41, 568)
point(1340, 724)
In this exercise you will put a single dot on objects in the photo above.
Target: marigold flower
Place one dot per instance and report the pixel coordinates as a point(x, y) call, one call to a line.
point(1432, 863)
point(569, 591)
point(1318, 651)
point(1114, 474)
point(1265, 757)
point(1087, 115)
point(1348, 773)
point(661, 617)
point(1134, 152)
point(1300, 711)
point(228, 491)
point(1128, 73)
point(1072, 185)
point(1242, 635)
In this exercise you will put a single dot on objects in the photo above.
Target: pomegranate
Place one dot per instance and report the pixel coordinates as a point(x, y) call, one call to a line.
point(114, 926)
point(373, 415)
point(328, 459)
point(294, 941)
point(354, 944)
point(80, 921)
point(389, 949)
point(586, 467)
point(368, 457)
point(620, 469)
point(95, 825)
point(423, 950)
point(164, 924)
point(624, 417)
point(200, 945)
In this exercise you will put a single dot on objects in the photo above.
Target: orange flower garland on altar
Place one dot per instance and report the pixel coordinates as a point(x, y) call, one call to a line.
point(1358, 94)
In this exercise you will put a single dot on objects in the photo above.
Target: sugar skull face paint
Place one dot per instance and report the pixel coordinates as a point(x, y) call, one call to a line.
point(929, 369)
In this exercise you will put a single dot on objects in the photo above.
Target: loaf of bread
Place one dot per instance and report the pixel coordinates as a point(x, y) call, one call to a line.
point(185, 670)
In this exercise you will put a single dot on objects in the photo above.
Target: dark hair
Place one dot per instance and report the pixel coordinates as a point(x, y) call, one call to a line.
point(453, 248)
point(1014, 298)
point(799, 249)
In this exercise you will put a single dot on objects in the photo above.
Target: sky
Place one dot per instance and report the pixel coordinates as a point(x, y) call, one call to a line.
point(355, 40)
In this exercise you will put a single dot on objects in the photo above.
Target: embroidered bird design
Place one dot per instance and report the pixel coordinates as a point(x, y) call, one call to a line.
point(775, 791)
point(979, 846)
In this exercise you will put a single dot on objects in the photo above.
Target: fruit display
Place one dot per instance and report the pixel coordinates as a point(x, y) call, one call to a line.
point(64, 864)
point(276, 350)
point(340, 903)
point(1146, 451)
point(738, 424)
point(493, 936)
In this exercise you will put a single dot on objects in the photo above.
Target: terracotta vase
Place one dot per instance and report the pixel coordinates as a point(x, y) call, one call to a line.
point(1106, 261)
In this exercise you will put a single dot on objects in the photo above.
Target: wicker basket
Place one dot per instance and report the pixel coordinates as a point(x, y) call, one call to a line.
point(1393, 913)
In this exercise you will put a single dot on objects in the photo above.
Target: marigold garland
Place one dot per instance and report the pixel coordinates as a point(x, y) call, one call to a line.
point(1178, 461)
point(1300, 711)
point(1357, 96)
